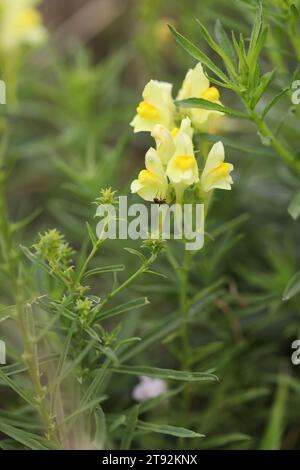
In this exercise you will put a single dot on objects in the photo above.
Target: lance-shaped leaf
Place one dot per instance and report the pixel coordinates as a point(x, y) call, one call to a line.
point(219, 50)
point(209, 105)
point(167, 374)
point(293, 287)
point(265, 81)
point(195, 52)
point(294, 207)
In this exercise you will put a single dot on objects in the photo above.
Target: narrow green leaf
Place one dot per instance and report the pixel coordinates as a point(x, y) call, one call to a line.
point(224, 440)
point(205, 104)
point(197, 54)
point(274, 101)
point(116, 422)
point(29, 440)
point(240, 52)
point(25, 394)
point(126, 307)
point(26, 221)
point(253, 59)
point(275, 429)
point(294, 207)
point(256, 30)
point(91, 234)
point(220, 51)
point(89, 406)
point(224, 41)
point(293, 287)
point(265, 81)
point(169, 430)
point(100, 429)
point(136, 253)
point(167, 374)
point(95, 386)
point(155, 273)
point(113, 268)
point(131, 423)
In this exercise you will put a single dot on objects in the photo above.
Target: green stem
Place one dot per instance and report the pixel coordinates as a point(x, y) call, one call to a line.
point(184, 307)
point(94, 250)
point(186, 348)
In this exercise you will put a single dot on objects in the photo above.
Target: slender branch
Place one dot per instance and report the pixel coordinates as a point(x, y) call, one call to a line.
point(184, 307)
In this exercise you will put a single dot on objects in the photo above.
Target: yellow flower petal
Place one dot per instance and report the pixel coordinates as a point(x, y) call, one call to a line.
point(175, 131)
point(211, 94)
point(151, 182)
point(184, 162)
point(157, 107)
point(183, 169)
point(148, 111)
point(216, 173)
point(196, 85)
point(164, 143)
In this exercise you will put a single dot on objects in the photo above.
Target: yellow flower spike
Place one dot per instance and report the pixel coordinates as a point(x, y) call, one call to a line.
point(196, 85)
point(216, 173)
point(157, 107)
point(151, 182)
point(20, 24)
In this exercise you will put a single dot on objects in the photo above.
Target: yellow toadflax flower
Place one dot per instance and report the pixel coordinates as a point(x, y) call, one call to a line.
point(166, 140)
point(20, 23)
point(157, 107)
point(216, 173)
point(182, 169)
point(196, 85)
point(151, 182)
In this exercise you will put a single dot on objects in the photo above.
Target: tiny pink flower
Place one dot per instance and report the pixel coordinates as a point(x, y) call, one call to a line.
point(148, 388)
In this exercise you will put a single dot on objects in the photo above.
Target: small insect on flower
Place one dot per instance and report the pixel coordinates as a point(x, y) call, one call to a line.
point(159, 201)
